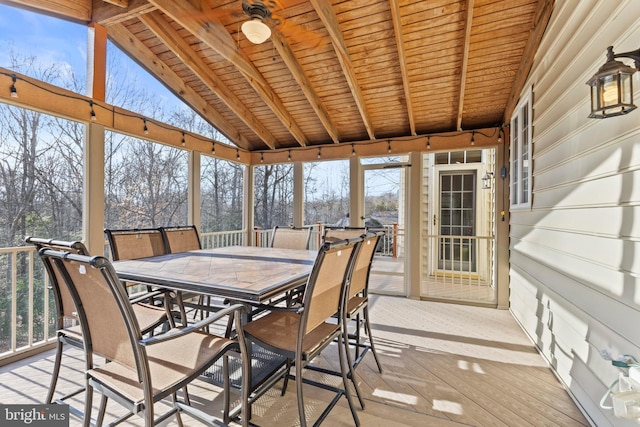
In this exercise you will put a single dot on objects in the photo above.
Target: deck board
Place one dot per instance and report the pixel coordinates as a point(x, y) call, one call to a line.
point(444, 365)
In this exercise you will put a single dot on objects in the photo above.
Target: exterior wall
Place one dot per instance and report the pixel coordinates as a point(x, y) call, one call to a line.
point(575, 255)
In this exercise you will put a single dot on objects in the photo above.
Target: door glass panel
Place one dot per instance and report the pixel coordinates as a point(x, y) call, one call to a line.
point(457, 220)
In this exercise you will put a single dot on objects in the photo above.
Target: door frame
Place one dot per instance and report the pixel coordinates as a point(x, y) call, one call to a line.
point(480, 213)
point(402, 211)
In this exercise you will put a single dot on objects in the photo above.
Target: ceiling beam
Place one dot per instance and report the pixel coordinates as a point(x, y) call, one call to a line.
point(328, 17)
point(41, 96)
point(285, 52)
point(465, 61)
point(165, 32)
point(79, 11)
point(210, 31)
point(143, 56)
point(397, 29)
point(540, 22)
point(438, 142)
point(107, 14)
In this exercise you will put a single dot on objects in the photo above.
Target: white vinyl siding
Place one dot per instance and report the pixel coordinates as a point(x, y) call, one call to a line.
point(575, 251)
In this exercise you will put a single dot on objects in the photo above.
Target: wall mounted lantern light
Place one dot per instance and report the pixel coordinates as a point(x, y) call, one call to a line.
point(611, 86)
point(486, 180)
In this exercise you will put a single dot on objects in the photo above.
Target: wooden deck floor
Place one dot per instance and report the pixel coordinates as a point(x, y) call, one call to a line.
point(444, 365)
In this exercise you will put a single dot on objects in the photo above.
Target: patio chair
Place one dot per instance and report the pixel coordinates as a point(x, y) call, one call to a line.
point(357, 307)
point(301, 333)
point(140, 371)
point(333, 234)
point(290, 237)
point(183, 238)
point(68, 331)
point(134, 243)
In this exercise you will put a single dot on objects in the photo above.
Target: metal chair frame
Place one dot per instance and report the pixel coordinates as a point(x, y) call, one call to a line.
point(140, 371)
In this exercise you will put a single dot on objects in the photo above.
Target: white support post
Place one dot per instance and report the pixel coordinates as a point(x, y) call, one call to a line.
point(194, 193)
point(413, 228)
point(356, 192)
point(298, 194)
point(93, 202)
point(249, 203)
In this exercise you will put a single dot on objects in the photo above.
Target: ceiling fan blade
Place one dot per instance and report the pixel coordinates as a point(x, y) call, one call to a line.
point(297, 33)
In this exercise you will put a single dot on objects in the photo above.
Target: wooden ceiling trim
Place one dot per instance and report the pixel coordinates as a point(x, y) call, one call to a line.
point(465, 60)
point(397, 29)
point(159, 26)
point(215, 35)
point(68, 9)
point(140, 53)
point(119, 3)
point(541, 20)
point(328, 17)
point(285, 52)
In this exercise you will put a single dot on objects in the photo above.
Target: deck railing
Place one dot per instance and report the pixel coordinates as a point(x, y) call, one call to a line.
point(390, 245)
point(220, 239)
point(459, 263)
point(27, 314)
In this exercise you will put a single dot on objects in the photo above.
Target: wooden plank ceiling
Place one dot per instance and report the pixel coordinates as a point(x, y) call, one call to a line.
point(333, 71)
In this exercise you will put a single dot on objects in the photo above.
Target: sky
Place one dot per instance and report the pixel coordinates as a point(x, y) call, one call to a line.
point(56, 41)
point(53, 40)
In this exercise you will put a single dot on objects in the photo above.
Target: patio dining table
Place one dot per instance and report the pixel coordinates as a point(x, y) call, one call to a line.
point(246, 274)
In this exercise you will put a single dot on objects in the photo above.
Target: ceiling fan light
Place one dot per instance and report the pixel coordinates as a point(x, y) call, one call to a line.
point(256, 31)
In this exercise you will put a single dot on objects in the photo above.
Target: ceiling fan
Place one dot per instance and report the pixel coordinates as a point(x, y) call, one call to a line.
point(263, 20)
point(255, 29)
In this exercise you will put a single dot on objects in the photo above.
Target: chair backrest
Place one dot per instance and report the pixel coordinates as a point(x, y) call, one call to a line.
point(324, 292)
point(109, 325)
point(134, 243)
point(333, 234)
point(290, 237)
point(64, 303)
point(359, 280)
point(181, 238)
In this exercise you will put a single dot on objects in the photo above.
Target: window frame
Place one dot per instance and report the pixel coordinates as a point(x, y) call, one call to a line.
point(520, 154)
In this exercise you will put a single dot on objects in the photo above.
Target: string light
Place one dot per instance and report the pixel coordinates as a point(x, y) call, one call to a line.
point(14, 91)
point(14, 94)
point(93, 113)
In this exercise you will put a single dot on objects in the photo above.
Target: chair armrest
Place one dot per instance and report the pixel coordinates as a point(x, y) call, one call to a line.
point(231, 310)
point(146, 295)
point(267, 307)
